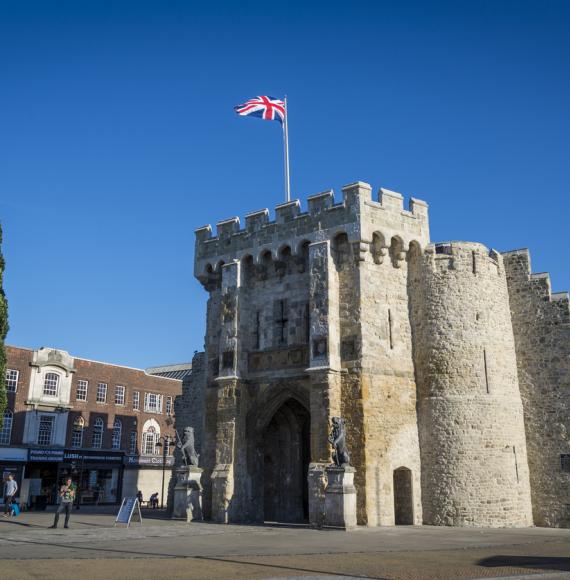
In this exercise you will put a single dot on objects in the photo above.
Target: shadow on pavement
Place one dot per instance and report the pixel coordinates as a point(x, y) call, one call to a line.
point(156, 514)
point(75, 522)
point(76, 547)
point(536, 562)
point(25, 525)
point(299, 526)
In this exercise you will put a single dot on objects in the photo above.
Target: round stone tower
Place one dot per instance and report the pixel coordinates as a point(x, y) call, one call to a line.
point(470, 417)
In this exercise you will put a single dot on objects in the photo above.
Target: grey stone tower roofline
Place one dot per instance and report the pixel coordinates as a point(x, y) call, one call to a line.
point(357, 215)
point(316, 204)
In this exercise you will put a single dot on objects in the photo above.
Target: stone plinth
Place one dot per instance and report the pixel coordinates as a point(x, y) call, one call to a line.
point(222, 491)
point(340, 498)
point(188, 494)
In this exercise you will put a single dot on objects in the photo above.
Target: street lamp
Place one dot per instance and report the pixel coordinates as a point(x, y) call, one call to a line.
point(164, 442)
point(80, 480)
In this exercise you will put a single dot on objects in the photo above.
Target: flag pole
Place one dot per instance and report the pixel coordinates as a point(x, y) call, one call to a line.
point(286, 152)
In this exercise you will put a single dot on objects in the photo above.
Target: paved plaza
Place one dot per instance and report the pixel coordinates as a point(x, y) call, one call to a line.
point(94, 548)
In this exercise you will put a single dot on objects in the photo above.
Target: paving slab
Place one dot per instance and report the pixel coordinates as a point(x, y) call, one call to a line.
point(161, 547)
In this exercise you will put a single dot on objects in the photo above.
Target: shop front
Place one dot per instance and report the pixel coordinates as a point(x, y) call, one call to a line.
point(42, 472)
point(13, 461)
point(146, 473)
point(97, 474)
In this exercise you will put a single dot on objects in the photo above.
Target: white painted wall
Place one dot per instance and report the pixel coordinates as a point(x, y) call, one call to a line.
point(32, 423)
point(36, 392)
point(148, 481)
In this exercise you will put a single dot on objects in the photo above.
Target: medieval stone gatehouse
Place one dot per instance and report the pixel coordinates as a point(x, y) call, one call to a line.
point(449, 362)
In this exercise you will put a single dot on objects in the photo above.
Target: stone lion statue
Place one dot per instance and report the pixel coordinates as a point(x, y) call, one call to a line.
point(187, 448)
point(337, 439)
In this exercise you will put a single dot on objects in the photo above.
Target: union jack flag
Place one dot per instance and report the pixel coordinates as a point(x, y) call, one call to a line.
point(268, 108)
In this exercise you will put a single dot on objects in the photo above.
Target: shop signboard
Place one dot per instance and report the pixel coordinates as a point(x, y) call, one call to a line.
point(13, 454)
point(45, 455)
point(75, 455)
point(129, 507)
point(148, 460)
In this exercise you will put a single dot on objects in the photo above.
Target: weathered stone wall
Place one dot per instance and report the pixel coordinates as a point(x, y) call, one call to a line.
point(388, 383)
point(340, 311)
point(188, 406)
point(541, 324)
point(292, 314)
point(189, 412)
point(472, 440)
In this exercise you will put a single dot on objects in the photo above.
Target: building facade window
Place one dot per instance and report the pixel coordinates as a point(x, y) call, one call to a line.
point(101, 393)
point(45, 429)
point(6, 431)
point(119, 395)
point(169, 405)
point(51, 385)
point(150, 437)
point(136, 400)
point(152, 403)
point(133, 443)
point(117, 432)
point(77, 432)
point(12, 380)
point(81, 391)
point(98, 427)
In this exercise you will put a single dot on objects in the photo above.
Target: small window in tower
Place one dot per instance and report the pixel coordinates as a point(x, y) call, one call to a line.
point(486, 370)
point(443, 249)
point(228, 359)
point(565, 462)
point(257, 331)
point(281, 322)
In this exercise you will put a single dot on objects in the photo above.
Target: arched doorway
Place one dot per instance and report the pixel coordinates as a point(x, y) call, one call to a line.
point(286, 463)
point(403, 497)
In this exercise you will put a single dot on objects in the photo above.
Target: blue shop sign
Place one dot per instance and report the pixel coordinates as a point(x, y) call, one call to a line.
point(102, 456)
point(45, 454)
point(150, 460)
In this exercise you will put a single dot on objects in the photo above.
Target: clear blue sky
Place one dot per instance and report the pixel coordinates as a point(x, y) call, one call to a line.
point(118, 139)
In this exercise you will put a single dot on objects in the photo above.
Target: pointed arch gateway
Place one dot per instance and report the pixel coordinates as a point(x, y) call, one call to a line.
point(286, 456)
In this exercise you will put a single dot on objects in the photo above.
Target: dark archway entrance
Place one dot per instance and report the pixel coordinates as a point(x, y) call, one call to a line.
point(403, 497)
point(286, 463)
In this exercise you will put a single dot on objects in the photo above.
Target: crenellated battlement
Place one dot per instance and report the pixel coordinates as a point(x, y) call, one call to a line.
point(518, 266)
point(449, 362)
point(471, 257)
point(357, 215)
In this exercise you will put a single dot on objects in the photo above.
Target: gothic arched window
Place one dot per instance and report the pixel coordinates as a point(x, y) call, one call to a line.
point(77, 433)
point(117, 431)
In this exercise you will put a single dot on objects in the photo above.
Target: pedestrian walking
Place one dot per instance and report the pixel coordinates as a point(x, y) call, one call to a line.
point(10, 489)
point(67, 495)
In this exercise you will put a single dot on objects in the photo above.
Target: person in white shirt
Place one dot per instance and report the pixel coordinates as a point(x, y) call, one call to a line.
point(10, 489)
